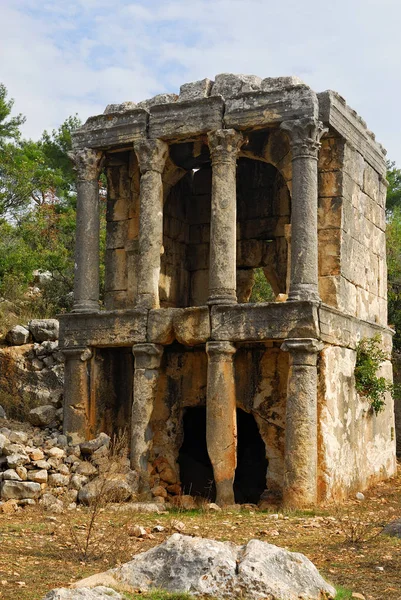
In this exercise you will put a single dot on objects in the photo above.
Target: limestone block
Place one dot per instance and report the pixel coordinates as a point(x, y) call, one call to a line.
point(330, 212)
point(331, 154)
point(199, 287)
point(19, 489)
point(192, 325)
point(195, 90)
point(44, 329)
point(17, 336)
point(330, 183)
point(157, 100)
point(264, 321)
point(354, 164)
point(198, 256)
point(43, 416)
point(229, 85)
point(185, 120)
point(116, 270)
point(160, 325)
point(280, 83)
point(329, 250)
point(383, 185)
point(110, 130)
point(382, 276)
point(116, 234)
point(350, 190)
point(371, 182)
point(250, 252)
point(260, 108)
point(117, 300)
point(116, 108)
point(277, 148)
point(103, 329)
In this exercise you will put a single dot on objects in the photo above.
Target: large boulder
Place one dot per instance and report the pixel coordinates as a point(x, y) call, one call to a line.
point(89, 447)
point(97, 593)
point(43, 416)
point(207, 568)
point(115, 487)
point(44, 329)
point(393, 529)
point(18, 336)
point(18, 490)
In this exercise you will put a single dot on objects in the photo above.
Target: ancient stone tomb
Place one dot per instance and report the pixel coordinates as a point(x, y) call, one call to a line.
point(232, 180)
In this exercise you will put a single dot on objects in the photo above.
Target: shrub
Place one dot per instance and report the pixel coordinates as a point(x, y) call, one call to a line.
point(369, 357)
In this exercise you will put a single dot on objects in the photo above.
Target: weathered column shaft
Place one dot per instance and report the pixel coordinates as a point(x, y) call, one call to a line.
point(221, 418)
point(300, 474)
point(224, 145)
point(152, 155)
point(76, 403)
point(305, 135)
point(147, 365)
point(88, 164)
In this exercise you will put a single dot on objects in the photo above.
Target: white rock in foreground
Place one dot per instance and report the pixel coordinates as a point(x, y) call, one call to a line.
point(221, 570)
point(98, 593)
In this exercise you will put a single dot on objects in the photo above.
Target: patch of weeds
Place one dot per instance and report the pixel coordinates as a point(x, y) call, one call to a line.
point(343, 594)
point(369, 357)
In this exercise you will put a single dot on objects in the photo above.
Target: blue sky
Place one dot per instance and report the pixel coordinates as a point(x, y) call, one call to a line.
point(63, 57)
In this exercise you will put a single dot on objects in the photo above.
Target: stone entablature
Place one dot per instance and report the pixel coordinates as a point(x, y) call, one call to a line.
point(205, 189)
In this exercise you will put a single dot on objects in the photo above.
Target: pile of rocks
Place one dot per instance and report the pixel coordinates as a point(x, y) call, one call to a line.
point(39, 466)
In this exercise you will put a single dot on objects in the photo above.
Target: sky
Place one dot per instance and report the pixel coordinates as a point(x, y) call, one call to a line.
point(62, 57)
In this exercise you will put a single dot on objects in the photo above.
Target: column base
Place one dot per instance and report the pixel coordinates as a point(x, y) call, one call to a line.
point(306, 291)
point(89, 306)
point(225, 493)
point(222, 299)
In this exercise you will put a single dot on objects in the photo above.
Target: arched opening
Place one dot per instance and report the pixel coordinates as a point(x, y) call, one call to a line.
point(263, 214)
point(196, 472)
point(250, 475)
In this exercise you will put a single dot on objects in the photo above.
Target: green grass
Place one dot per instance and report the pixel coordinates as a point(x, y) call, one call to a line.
point(343, 594)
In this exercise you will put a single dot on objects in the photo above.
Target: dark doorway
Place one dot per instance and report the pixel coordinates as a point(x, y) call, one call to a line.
point(196, 472)
point(250, 475)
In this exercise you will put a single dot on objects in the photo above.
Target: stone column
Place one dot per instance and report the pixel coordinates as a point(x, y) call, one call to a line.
point(305, 137)
point(152, 155)
point(147, 365)
point(76, 394)
point(221, 418)
point(88, 164)
point(224, 145)
point(300, 473)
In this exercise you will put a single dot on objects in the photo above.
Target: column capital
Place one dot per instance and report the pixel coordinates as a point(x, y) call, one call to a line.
point(303, 350)
point(220, 351)
point(151, 155)
point(224, 144)
point(147, 355)
point(87, 163)
point(305, 135)
point(81, 353)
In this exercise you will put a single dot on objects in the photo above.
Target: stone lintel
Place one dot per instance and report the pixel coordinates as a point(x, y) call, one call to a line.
point(334, 111)
point(147, 356)
point(189, 326)
point(264, 321)
point(186, 120)
point(111, 130)
point(103, 329)
point(345, 330)
point(264, 108)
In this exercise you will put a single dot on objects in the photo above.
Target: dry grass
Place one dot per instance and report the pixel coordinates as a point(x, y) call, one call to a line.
point(36, 552)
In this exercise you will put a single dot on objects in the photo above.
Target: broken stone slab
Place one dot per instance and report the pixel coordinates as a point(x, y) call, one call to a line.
point(44, 329)
point(43, 416)
point(195, 90)
point(19, 489)
point(119, 108)
point(138, 507)
point(280, 83)
point(208, 568)
point(97, 593)
point(229, 85)
point(114, 488)
point(18, 336)
point(156, 100)
point(89, 447)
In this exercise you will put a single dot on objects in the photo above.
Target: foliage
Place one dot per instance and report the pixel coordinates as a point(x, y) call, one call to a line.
point(369, 357)
point(261, 291)
point(9, 126)
point(343, 594)
point(393, 199)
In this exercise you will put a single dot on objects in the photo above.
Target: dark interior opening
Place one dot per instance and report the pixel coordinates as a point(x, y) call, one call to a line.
point(250, 475)
point(196, 470)
point(114, 381)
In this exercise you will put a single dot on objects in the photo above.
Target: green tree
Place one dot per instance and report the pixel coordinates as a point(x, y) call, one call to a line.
point(9, 126)
point(394, 189)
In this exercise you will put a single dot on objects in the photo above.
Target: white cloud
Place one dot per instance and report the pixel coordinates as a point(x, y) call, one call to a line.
point(78, 56)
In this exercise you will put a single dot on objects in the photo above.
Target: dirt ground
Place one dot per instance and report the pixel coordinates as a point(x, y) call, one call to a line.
point(40, 551)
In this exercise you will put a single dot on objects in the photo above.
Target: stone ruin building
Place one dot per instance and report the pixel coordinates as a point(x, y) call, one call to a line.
point(222, 397)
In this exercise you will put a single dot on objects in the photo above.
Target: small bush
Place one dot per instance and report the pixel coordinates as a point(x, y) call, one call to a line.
point(369, 357)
